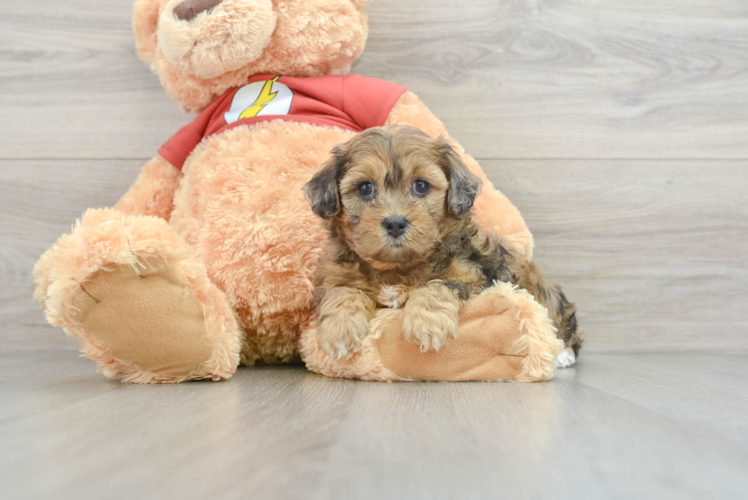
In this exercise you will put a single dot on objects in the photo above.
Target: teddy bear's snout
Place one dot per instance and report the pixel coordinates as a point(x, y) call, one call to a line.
point(189, 9)
point(208, 38)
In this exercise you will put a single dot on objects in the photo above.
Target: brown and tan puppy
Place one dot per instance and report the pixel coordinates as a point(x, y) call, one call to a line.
point(397, 204)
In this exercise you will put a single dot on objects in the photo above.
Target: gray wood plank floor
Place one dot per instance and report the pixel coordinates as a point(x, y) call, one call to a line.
point(616, 426)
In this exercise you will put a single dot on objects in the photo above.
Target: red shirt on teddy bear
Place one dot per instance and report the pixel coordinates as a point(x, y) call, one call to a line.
point(350, 102)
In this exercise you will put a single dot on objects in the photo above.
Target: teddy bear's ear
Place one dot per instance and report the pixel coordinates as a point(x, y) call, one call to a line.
point(145, 25)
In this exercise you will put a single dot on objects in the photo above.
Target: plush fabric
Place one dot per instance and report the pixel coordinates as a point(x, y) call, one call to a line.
point(153, 191)
point(225, 38)
point(522, 345)
point(241, 206)
point(194, 271)
point(311, 38)
point(349, 102)
point(69, 278)
point(143, 332)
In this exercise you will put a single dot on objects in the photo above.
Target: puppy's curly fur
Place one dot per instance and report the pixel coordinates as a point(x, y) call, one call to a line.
point(397, 204)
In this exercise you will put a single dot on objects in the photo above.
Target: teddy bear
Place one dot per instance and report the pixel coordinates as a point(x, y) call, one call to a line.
point(207, 261)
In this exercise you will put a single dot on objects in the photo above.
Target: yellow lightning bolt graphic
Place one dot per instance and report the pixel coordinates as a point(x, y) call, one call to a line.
point(262, 100)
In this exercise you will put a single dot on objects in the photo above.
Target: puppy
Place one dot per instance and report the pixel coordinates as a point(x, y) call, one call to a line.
point(397, 205)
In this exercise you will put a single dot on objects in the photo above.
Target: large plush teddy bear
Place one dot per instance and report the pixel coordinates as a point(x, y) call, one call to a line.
point(208, 260)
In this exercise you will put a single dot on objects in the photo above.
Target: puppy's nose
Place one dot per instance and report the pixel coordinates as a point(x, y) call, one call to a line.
point(395, 225)
point(189, 9)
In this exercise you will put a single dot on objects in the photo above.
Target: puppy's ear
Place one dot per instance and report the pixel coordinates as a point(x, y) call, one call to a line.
point(464, 186)
point(322, 190)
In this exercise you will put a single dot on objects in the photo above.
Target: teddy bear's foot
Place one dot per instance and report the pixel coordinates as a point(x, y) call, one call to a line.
point(147, 321)
point(502, 334)
point(139, 301)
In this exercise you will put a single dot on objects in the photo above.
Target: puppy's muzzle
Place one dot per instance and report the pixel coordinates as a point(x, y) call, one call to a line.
point(396, 225)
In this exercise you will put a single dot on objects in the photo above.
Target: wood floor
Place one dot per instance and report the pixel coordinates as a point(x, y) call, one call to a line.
point(653, 426)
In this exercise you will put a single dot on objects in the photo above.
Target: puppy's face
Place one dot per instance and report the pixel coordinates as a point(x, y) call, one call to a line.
point(393, 192)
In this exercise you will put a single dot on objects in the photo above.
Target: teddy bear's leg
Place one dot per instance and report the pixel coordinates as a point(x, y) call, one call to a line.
point(138, 299)
point(503, 334)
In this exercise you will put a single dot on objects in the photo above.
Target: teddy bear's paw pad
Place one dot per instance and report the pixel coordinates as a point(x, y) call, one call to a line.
point(145, 318)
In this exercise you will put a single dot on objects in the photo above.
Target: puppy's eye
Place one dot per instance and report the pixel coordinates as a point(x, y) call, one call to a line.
point(366, 190)
point(421, 188)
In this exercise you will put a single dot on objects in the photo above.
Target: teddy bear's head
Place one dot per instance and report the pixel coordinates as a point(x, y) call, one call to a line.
point(200, 48)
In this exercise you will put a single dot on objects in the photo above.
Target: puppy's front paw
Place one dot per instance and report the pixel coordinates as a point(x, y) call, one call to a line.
point(431, 324)
point(341, 335)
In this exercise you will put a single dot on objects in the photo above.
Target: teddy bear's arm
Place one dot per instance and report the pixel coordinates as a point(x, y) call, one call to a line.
point(493, 209)
point(153, 191)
